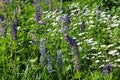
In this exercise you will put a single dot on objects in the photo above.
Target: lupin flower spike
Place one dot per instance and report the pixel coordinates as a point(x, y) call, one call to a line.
point(42, 51)
point(70, 40)
point(106, 69)
point(49, 66)
point(67, 19)
point(75, 52)
point(13, 31)
point(59, 58)
point(59, 61)
point(82, 29)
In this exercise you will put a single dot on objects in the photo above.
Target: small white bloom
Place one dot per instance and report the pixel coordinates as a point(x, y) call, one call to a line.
point(118, 60)
point(97, 61)
point(114, 17)
point(107, 60)
point(112, 52)
point(118, 47)
point(48, 29)
point(80, 34)
point(54, 24)
point(90, 17)
point(75, 24)
point(32, 60)
point(111, 45)
point(78, 43)
point(74, 28)
point(91, 21)
point(93, 57)
point(114, 25)
point(99, 53)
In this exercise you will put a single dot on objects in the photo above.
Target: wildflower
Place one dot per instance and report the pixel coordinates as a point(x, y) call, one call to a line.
point(75, 52)
point(42, 51)
point(106, 69)
point(97, 61)
point(64, 25)
point(4, 31)
point(59, 61)
point(118, 60)
point(2, 27)
point(70, 40)
point(82, 29)
point(37, 15)
point(13, 31)
point(49, 66)
point(59, 58)
point(67, 19)
point(15, 18)
point(113, 52)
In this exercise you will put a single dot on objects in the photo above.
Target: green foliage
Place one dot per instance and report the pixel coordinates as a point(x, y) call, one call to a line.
point(98, 45)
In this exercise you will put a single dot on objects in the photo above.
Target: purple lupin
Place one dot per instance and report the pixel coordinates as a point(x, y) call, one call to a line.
point(49, 66)
point(13, 31)
point(37, 14)
point(59, 61)
point(82, 28)
point(75, 52)
point(43, 52)
point(106, 69)
point(59, 58)
point(67, 19)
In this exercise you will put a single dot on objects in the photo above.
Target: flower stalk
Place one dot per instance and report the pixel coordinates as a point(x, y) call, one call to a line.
point(75, 52)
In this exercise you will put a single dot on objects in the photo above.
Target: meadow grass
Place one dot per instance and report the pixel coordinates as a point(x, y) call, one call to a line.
point(40, 50)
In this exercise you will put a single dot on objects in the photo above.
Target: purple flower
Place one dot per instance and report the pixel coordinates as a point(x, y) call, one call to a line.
point(76, 12)
point(75, 52)
point(59, 58)
point(4, 31)
point(67, 19)
point(35, 2)
point(70, 40)
point(49, 66)
point(43, 52)
point(106, 69)
point(82, 26)
point(15, 18)
point(13, 31)
point(42, 47)
point(37, 15)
